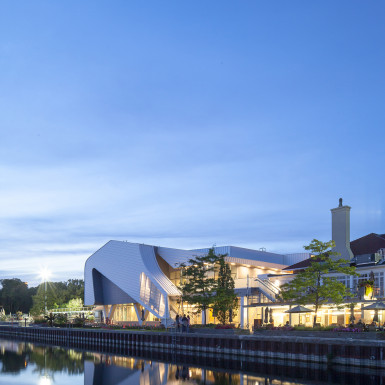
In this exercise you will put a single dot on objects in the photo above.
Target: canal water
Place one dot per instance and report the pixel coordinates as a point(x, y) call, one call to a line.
point(24, 363)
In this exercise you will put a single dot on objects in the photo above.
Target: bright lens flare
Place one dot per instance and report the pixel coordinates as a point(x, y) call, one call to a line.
point(45, 380)
point(45, 274)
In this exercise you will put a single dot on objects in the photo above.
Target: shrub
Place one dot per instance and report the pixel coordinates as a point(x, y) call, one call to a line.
point(224, 327)
point(61, 320)
point(79, 322)
point(207, 326)
point(39, 320)
point(343, 329)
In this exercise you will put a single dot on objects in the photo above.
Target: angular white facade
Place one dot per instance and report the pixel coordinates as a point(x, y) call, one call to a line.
point(140, 277)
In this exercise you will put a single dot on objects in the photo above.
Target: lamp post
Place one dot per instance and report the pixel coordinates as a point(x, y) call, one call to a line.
point(45, 274)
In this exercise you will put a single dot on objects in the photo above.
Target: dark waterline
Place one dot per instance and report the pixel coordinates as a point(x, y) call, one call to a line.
point(27, 363)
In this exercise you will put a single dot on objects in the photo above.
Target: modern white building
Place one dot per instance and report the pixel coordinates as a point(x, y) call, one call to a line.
point(132, 282)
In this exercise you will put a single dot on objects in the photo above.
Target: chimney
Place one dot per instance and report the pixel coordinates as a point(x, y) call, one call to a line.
point(341, 231)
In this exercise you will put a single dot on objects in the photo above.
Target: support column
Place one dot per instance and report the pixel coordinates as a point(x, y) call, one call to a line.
point(105, 312)
point(242, 312)
point(111, 312)
point(290, 317)
point(138, 312)
point(167, 319)
point(203, 317)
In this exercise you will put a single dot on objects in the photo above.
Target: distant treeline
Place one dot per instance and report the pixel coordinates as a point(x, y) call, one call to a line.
point(15, 295)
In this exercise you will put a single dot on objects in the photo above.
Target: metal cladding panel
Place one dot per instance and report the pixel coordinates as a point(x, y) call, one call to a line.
point(256, 255)
point(106, 291)
point(291, 259)
point(218, 250)
point(248, 254)
point(149, 258)
point(176, 256)
point(260, 264)
point(122, 263)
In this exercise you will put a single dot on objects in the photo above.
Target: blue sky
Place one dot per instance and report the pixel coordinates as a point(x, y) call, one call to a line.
point(186, 124)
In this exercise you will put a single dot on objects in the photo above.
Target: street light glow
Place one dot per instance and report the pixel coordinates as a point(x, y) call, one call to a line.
point(45, 274)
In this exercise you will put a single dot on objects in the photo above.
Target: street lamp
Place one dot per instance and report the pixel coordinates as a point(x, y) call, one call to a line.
point(44, 275)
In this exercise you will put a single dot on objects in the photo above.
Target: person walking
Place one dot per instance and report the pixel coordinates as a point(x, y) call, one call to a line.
point(177, 323)
point(188, 323)
point(184, 323)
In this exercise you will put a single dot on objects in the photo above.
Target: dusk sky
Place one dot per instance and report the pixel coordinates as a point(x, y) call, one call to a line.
point(186, 124)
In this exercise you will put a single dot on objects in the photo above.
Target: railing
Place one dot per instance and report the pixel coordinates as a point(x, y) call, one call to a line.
point(82, 309)
point(267, 288)
point(275, 289)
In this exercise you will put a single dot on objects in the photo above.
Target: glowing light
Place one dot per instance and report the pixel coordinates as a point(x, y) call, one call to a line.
point(45, 380)
point(45, 274)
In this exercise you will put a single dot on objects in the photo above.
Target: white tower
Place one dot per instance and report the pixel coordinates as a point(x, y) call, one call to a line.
point(341, 231)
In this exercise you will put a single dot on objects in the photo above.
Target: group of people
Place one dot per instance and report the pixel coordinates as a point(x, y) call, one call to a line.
point(184, 321)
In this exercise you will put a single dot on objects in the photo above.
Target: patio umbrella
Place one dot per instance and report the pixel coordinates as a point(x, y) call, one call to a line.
point(375, 306)
point(299, 309)
point(352, 318)
point(266, 315)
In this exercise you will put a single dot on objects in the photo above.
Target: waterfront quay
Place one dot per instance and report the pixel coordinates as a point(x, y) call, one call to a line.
point(345, 349)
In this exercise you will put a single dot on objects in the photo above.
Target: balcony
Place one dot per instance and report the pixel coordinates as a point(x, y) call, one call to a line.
point(359, 294)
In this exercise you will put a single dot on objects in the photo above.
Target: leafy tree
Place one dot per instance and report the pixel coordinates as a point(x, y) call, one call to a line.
point(198, 284)
point(314, 285)
point(74, 303)
point(59, 294)
point(15, 296)
point(225, 300)
point(54, 296)
point(75, 289)
point(207, 283)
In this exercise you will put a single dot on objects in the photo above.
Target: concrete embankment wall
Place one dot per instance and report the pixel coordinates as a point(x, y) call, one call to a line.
point(343, 351)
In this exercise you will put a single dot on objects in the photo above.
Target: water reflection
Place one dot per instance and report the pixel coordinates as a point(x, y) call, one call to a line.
point(130, 371)
point(34, 364)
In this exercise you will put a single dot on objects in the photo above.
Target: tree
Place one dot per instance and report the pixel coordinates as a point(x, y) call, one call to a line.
point(75, 289)
point(225, 300)
point(314, 285)
point(15, 296)
point(74, 303)
point(59, 294)
point(207, 283)
point(53, 294)
point(198, 284)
